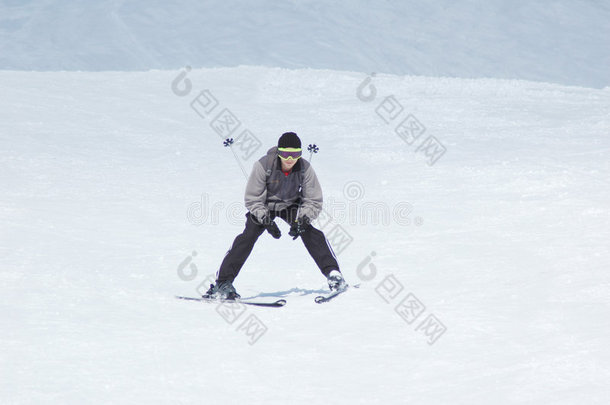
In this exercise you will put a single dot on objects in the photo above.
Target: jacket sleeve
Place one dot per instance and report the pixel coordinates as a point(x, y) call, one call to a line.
point(256, 192)
point(312, 195)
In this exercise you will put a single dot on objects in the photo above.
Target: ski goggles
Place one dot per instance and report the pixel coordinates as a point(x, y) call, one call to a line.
point(289, 153)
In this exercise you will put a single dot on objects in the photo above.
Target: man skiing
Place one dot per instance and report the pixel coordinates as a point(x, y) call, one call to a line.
point(282, 184)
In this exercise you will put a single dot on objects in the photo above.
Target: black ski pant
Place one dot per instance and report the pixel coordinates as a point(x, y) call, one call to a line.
point(314, 240)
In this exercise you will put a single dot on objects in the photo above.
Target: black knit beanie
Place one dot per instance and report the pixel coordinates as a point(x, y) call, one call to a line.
point(289, 140)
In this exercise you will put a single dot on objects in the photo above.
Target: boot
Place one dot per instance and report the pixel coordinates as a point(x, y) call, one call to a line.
point(222, 290)
point(336, 281)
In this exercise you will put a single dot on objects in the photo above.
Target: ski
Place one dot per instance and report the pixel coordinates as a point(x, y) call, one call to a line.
point(273, 304)
point(333, 294)
point(325, 298)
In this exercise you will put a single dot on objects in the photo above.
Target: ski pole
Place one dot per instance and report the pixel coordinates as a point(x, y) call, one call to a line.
point(229, 143)
point(312, 148)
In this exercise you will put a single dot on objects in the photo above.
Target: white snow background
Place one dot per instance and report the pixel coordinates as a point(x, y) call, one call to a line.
point(559, 41)
point(116, 185)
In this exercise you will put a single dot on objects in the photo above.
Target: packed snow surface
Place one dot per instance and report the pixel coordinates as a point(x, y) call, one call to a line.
point(472, 212)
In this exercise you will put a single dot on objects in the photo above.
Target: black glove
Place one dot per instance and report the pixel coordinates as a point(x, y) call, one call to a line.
point(271, 227)
point(299, 226)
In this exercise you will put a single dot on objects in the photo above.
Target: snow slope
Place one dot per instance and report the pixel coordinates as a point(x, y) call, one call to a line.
point(112, 180)
point(560, 41)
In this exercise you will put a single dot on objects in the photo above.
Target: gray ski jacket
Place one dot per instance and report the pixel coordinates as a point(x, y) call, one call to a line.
point(269, 189)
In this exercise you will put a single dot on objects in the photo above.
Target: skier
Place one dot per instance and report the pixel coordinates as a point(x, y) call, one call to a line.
point(282, 184)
